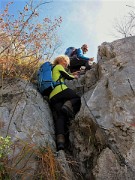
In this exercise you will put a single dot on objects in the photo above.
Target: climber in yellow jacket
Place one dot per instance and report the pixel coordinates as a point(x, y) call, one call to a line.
point(63, 100)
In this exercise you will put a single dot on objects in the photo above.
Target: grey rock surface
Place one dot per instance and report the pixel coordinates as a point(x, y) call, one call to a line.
point(26, 117)
point(103, 133)
point(25, 113)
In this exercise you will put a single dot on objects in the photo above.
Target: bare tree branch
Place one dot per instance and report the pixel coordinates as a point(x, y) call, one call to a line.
point(125, 27)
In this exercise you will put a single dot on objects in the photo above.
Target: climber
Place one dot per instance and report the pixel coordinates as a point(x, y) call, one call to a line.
point(78, 59)
point(63, 100)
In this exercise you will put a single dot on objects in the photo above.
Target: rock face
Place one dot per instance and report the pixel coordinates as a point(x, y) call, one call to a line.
point(25, 114)
point(26, 117)
point(103, 133)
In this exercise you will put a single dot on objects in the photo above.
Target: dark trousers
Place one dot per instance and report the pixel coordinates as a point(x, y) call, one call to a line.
point(76, 63)
point(61, 120)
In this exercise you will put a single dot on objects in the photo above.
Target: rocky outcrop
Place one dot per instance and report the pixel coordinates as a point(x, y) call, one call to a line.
point(25, 114)
point(103, 133)
point(26, 117)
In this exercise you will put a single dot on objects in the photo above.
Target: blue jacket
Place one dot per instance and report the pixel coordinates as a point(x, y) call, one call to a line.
point(80, 55)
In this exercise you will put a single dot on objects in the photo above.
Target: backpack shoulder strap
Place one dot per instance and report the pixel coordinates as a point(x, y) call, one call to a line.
point(74, 52)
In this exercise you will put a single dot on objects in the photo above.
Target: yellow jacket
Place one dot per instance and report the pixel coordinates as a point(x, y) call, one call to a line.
point(59, 74)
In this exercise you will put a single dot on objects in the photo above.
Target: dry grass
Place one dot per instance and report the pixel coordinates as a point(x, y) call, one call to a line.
point(48, 165)
point(20, 68)
point(30, 162)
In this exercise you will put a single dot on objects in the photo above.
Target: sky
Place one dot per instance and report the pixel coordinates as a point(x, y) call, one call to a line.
point(88, 22)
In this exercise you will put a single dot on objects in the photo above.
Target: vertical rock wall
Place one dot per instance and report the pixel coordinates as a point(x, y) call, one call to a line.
point(26, 117)
point(103, 133)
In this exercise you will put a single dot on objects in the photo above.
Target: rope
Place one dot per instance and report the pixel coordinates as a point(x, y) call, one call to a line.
point(92, 115)
point(109, 143)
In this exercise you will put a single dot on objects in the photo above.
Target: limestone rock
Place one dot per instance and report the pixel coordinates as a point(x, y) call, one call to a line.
point(103, 133)
point(26, 117)
point(25, 114)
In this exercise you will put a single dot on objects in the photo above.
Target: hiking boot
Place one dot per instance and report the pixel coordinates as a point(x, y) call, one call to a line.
point(60, 142)
point(67, 108)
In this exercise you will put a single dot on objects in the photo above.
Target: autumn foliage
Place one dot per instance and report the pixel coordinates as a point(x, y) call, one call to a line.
point(25, 41)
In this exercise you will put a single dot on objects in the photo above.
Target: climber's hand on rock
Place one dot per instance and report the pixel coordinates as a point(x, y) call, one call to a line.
point(75, 73)
point(76, 76)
